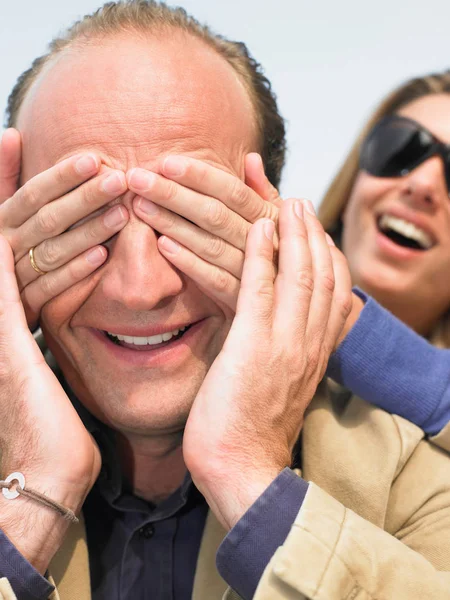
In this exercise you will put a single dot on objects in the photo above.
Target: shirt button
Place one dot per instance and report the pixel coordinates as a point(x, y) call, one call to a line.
point(147, 531)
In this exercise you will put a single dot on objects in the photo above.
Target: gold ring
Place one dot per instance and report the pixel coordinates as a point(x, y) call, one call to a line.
point(33, 262)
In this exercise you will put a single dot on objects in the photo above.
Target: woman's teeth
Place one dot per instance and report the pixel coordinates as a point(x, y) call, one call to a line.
point(151, 340)
point(388, 223)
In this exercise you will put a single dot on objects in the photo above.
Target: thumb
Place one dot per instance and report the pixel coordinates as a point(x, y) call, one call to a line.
point(256, 179)
point(10, 157)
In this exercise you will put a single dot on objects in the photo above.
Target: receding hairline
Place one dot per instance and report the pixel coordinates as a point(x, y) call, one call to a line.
point(132, 32)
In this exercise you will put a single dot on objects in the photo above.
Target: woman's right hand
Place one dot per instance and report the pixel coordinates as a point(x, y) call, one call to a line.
point(41, 215)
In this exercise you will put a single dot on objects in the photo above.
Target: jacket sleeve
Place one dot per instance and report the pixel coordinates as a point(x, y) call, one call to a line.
point(332, 553)
point(6, 592)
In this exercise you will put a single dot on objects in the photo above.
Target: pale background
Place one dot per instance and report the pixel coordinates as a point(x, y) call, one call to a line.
point(329, 61)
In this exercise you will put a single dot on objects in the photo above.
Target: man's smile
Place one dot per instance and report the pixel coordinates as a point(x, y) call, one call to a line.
point(140, 342)
point(172, 346)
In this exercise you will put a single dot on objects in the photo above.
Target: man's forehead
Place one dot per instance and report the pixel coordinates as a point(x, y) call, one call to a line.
point(135, 99)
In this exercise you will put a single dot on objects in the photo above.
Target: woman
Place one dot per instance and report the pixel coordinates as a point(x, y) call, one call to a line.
point(388, 207)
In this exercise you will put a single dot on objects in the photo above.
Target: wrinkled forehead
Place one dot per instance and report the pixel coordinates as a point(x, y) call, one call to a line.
point(134, 99)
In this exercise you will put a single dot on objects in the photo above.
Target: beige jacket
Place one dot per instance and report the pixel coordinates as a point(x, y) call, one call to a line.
point(375, 523)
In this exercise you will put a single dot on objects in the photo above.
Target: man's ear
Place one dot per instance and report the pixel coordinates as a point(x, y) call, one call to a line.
point(10, 159)
point(256, 179)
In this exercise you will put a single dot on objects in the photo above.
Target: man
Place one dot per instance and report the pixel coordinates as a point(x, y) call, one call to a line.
point(133, 100)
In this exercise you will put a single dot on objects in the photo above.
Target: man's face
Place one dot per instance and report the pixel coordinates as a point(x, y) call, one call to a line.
point(134, 102)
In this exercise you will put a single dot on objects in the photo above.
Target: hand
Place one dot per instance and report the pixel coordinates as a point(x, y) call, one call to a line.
point(208, 252)
point(41, 433)
point(39, 213)
point(249, 411)
point(208, 212)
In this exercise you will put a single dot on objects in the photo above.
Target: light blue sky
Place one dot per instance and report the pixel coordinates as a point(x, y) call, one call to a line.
point(329, 61)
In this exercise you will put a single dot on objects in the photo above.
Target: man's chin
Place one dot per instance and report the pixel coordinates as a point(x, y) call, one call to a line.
point(145, 408)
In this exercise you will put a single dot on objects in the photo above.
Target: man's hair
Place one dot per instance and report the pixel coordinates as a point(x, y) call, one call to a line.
point(145, 16)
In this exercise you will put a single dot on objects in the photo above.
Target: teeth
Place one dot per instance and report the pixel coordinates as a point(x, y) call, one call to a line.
point(151, 340)
point(406, 229)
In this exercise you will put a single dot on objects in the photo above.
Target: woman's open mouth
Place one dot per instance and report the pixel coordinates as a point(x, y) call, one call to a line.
point(404, 233)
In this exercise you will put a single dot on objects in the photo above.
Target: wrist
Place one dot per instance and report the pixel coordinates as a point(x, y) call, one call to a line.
point(37, 530)
point(231, 490)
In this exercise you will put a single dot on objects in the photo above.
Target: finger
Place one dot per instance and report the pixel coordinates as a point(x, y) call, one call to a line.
point(56, 252)
point(256, 296)
point(208, 213)
point(47, 287)
point(342, 297)
point(205, 245)
point(218, 283)
point(48, 186)
point(294, 283)
point(10, 154)
point(323, 277)
point(54, 218)
point(255, 178)
point(15, 337)
point(217, 183)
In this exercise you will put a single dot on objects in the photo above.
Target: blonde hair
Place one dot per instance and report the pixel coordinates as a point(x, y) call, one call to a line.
point(338, 194)
point(144, 16)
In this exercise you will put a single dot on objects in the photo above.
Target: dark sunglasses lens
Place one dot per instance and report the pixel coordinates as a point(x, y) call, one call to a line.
point(447, 171)
point(394, 148)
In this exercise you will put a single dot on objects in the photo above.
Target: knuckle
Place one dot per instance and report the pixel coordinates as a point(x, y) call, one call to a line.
point(48, 254)
point(220, 280)
point(304, 281)
point(30, 195)
point(345, 302)
point(47, 220)
point(239, 193)
point(197, 170)
point(327, 281)
point(215, 248)
point(76, 270)
point(217, 216)
point(170, 220)
point(90, 193)
point(93, 230)
point(48, 285)
point(60, 174)
point(170, 189)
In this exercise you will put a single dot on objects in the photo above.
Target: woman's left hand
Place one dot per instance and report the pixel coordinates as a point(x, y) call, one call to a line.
point(204, 215)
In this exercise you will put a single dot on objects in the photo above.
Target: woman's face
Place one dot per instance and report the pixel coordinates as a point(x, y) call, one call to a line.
point(412, 282)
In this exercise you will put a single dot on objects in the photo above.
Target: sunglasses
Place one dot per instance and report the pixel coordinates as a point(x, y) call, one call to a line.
point(397, 145)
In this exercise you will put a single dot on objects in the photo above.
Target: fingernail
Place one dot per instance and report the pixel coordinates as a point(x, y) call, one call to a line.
point(298, 209)
point(140, 179)
point(147, 207)
point(330, 241)
point(86, 164)
point(309, 207)
point(269, 228)
point(169, 245)
point(96, 256)
point(174, 166)
point(114, 183)
point(115, 217)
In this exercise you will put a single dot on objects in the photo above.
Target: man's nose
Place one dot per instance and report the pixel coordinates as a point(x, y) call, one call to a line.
point(137, 275)
point(425, 187)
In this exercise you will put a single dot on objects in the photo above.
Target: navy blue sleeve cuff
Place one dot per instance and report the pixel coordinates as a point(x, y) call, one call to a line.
point(249, 546)
point(26, 582)
point(389, 365)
